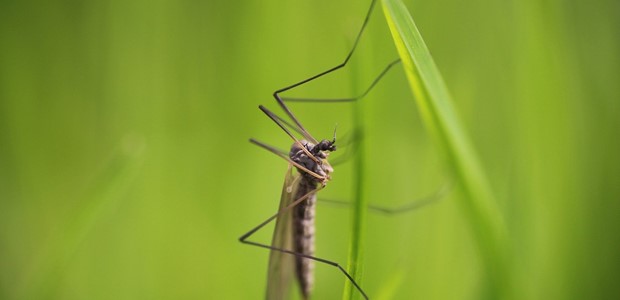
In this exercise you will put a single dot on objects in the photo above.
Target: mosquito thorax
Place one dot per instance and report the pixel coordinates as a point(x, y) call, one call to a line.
point(320, 152)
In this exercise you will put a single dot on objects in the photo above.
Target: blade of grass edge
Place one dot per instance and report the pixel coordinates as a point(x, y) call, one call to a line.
point(360, 204)
point(440, 118)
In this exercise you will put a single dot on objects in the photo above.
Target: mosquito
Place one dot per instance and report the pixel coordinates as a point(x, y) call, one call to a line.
point(292, 246)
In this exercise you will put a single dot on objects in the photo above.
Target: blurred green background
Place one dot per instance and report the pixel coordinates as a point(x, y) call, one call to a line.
point(125, 171)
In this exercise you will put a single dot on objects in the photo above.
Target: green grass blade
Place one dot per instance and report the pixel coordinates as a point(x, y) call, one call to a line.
point(360, 204)
point(441, 119)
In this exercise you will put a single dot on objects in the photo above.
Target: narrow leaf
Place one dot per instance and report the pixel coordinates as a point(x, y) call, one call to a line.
point(441, 119)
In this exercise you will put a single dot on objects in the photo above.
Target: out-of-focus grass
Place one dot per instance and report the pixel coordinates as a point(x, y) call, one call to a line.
point(176, 84)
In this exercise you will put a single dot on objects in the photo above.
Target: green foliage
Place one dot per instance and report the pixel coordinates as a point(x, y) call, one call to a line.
point(125, 171)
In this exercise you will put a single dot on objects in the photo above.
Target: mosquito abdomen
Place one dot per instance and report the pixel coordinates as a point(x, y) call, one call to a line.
point(303, 239)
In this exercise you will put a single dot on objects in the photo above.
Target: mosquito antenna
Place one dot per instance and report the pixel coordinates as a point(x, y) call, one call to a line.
point(276, 94)
point(335, 128)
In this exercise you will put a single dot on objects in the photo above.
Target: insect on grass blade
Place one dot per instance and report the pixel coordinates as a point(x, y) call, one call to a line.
point(292, 247)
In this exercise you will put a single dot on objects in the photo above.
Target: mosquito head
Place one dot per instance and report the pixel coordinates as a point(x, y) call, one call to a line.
point(326, 145)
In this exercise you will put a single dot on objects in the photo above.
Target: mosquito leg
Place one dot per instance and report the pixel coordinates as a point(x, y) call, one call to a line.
point(283, 154)
point(276, 94)
point(280, 212)
point(350, 99)
point(269, 148)
point(289, 125)
point(244, 237)
point(277, 119)
point(404, 208)
point(325, 261)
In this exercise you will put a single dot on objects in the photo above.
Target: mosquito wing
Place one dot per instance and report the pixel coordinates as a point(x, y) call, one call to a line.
point(282, 265)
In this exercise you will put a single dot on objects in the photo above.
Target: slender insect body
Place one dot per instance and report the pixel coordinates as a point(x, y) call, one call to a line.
point(303, 236)
point(304, 212)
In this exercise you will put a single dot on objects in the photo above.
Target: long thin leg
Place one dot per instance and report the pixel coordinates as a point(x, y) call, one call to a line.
point(280, 153)
point(276, 94)
point(244, 237)
point(325, 261)
point(281, 122)
point(276, 119)
point(342, 158)
point(289, 125)
point(350, 99)
point(407, 207)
